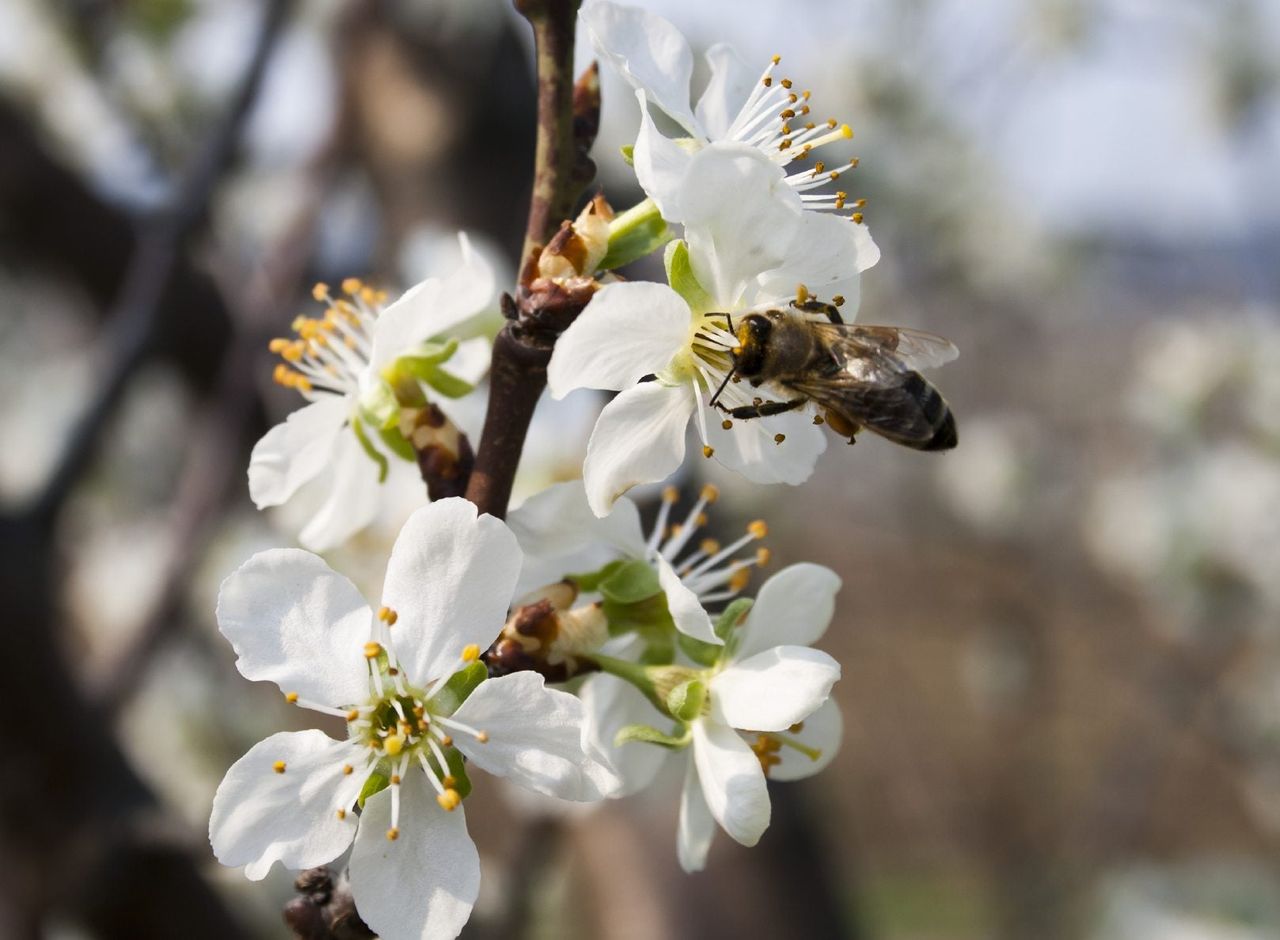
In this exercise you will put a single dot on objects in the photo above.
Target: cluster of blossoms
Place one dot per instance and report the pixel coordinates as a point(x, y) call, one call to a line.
point(451, 670)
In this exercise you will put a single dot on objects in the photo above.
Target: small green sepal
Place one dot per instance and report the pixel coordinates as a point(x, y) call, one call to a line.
point(731, 616)
point(635, 234)
point(704, 654)
point(685, 701)
point(680, 277)
point(372, 452)
point(455, 691)
point(376, 783)
point(650, 735)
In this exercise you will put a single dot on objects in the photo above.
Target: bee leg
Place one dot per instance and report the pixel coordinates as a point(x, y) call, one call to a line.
point(764, 409)
point(830, 311)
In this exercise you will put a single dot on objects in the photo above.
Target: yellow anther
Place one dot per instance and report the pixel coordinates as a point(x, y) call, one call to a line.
point(797, 727)
point(787, 83)
point(835, 175)
point(393, 744)
point(482, 737)
point(846, 131)
point(369, 295)
point(818, 419)
point(392, 834)
point(351, 286)
point(341, 814)
point(779, 438)
point(859, 203)
point(767, 81)
point(294, 352)
point(785, 143)
point(710, 493)
point(763, 556)
point(387, 615)
point(758, 528)
point(419, 710)
point(709, 546)
point(395, 780)
point(740, 579)
point(787, 114)
point(701, 520)
point(785, 129)
point(347, 770)
point(450, 781)
point(707, 450)
point(278, 766)
point(448, 800)
point(447, 740)
point(291, 697)
point(857, 218)
point(832, 123)
point(353, 714)
point(470, 653)
point(279, 344)
point(726, 424)
point(676, 530)
point(320, 291)
point(802, 294)
point(776, 59)
point(372, 649)
point(670, 494)
point(838, 300)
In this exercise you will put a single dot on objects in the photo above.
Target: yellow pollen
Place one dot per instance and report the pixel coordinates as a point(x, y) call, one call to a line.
point(470, 653)
point(387, 615)
point(740, 579)
point(353, 714)
point(859, 203)
point(450, 781)
point(372, 649)
point(787, 83)
point(838, 300)
point(832, 123)
point(670, 494)
point(726, 424)
point(802, 293)
point(835, 175)
point(710, 546)
point(793, 98)
point(395, 780)
point(785, 144)
point(319, 292)
point(763, 556)
point(369, 295)
point(392, 834)
point(736, 350)
point(846, 131)
point(482, 737)
point(291, 697)
point(797, 727)
point(347, 770)
point(787, 115)
point(779, 438)
point(448, 800)
point(710, 492)
point(278, 344)
point(818, 419)
point(447, 740)
point(857, 218)
point(676, 530)
point(278, 766)
point(342, 814)
point(776, 59)
point(768, 81)
point(707, 450)
point(701, 521)
point(758, 528)
point(393, 744)
point(351, 286)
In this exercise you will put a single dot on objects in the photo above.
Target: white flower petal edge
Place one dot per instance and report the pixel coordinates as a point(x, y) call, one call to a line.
point(639, 438)
point(773, 690)
point(660, 164)
point(652, 318)
point(295, 622)
point(423, 885)
point(296, 450)
point(794, 608)
point(451, 575)
point(822, 733)
point(534, 738)
point(731, 82)
point(262, 815)
point(696, 827)
point(686, 610)
point(610, 704)
point(732, 781)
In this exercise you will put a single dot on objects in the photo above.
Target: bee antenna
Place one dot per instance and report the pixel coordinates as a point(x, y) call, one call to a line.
point(727, 376)
point(728, 319)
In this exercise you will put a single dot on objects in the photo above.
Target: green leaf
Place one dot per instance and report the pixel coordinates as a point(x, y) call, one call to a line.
point(455, 691)
point(630, 582)
point(650, 735)
point(590, 581)
point(634, 234)
point(397, 443)
point(458, 770)
point(373, 453)
point(731, 616)
point(704, 654)
point(685, 700)
point(680, 277)
point(377, 782)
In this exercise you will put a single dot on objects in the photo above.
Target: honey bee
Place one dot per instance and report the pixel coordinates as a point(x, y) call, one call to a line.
point(859, 376)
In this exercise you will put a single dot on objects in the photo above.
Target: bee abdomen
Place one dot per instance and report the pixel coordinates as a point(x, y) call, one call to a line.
point(936, 414)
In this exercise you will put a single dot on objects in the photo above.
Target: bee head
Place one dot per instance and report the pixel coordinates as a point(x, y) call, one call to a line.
point(753, 334)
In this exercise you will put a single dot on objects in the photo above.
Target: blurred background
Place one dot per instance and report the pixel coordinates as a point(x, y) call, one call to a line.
point(1061, 642)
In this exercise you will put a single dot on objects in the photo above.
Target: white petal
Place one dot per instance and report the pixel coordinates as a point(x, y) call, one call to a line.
point(740, 216)
point(295, 622)
point(771, 691)
point(450, 579)
point(559, 534)
point(697, 827)
point(296, 450)
point(827, 255)
point(727, 90)
point(686, 609)
point(793, 608)
point(353, 497)
point(750, 448)
point(423, 885)
point(261, 816)
point(732, 782)
point(639, 438)
point(648, 52)
point(823, 731)
point(610, 704)
point(433, 307)
point(627, 331)
point(536, 738)
point(660, 164)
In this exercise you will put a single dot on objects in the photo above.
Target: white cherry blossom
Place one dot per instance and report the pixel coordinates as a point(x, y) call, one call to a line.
point(336, 364)
point(396, 677)
point(749, 245)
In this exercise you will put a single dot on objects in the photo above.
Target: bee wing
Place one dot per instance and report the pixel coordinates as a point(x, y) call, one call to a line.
point(910, 349)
